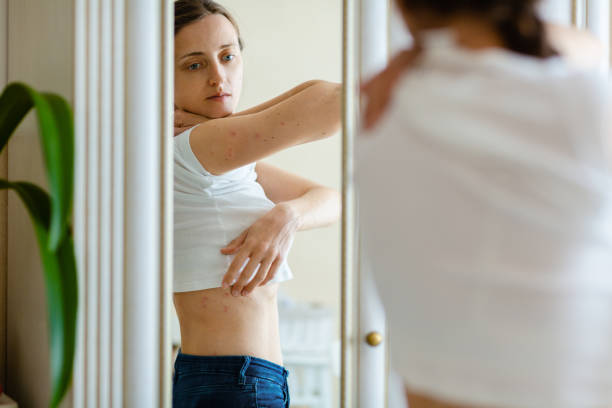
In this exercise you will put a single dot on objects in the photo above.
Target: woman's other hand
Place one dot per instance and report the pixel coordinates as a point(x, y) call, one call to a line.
point(265, 244)
point(184, 120)
point(379, 89)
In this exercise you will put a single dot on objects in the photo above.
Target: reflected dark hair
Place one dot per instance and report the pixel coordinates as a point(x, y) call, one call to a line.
point(190, 11)
point(516, 21)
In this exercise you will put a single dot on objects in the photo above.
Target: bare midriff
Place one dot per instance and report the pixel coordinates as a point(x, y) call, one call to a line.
point(215, 323)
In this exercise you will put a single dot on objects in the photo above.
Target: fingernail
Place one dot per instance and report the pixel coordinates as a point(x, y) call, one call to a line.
point(235, 292)
point(225, 285)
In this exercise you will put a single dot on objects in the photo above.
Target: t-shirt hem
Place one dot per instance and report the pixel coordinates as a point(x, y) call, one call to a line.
point(200, 284)
point(215, 282)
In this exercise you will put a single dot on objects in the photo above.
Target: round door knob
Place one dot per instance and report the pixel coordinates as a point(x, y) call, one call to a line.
point(374, 339)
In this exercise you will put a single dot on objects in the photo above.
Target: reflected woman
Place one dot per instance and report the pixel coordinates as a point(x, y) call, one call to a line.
point(236, 217)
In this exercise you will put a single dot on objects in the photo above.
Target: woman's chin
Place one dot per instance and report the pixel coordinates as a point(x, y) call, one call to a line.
point(217, 113)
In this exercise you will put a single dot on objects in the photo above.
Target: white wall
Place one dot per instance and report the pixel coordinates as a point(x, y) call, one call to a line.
point(558, 11)
point(40, 52)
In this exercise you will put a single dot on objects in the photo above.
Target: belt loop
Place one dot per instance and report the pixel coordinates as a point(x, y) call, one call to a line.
point(242, 378)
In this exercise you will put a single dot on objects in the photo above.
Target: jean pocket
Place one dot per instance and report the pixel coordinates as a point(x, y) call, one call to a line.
point(287, 398)
point(270, 394)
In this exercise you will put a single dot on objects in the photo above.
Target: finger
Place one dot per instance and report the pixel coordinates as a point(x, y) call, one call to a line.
point(273, 269)
point(235, 243)
point(376, 110)
point(259, 277)
point(245, 275)
point(178, 130)
point(181, 118)
point(365, 86)
point(231, 276)
point(371, 117)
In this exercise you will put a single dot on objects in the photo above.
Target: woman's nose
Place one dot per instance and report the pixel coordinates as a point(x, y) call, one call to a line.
point(214, 75)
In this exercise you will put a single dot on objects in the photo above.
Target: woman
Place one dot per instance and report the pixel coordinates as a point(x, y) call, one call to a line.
point(496, 268)
point(235, 217)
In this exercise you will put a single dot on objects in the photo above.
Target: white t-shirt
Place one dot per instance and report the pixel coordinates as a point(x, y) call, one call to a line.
point(209, 212)
point(485, 198)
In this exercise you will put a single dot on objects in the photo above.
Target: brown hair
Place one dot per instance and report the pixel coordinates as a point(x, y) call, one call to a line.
point(516, 21)
point(190, 11)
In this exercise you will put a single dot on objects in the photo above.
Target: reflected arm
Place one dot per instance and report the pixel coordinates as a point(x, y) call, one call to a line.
point(183, 120)
point(312, 204)
point(222, 145)
point(278, 99)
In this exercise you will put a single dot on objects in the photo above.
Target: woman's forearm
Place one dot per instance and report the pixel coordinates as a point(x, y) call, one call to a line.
point(278, 99)
point(309, 115)
point(318, 207)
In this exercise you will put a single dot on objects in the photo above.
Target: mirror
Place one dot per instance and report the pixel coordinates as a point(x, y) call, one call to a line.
point(285, 44)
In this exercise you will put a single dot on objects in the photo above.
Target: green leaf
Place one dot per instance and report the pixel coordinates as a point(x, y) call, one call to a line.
point(61, 283)
point(57, 141)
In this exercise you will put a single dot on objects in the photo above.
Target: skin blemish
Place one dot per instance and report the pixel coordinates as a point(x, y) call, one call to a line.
point(226, 294)
point(229, 153)
point(232, 133)
point(282, 123)
point(225, 309)
point(257, 136)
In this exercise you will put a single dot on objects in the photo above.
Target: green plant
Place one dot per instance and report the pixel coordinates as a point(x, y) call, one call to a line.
point(50, 214)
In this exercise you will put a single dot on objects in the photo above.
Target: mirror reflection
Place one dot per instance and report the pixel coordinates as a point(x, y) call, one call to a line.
point(256, 203)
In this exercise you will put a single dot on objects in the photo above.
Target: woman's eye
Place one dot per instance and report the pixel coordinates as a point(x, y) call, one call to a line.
point(228, 57)
point(194, 66)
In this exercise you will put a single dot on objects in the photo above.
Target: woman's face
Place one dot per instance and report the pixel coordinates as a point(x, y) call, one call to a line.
point(207, 67)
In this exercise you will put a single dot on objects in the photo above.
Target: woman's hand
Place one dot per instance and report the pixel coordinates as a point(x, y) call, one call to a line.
point(379, 89)
point(265, 244)
point(184, 120)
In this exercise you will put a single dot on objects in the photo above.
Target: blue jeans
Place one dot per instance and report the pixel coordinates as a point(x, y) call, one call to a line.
point(227, 382)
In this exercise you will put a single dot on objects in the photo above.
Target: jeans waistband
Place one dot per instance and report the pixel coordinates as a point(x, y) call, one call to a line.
point(240, 365)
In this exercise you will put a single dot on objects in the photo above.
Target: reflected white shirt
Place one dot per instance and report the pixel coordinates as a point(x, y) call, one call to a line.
point(209, 212)
point(486, 218)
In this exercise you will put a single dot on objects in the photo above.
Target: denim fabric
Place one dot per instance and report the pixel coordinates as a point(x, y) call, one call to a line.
point(228, 382)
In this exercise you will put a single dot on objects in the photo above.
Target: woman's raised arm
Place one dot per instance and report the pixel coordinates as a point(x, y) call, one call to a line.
point(278, 99)
point(310, 114)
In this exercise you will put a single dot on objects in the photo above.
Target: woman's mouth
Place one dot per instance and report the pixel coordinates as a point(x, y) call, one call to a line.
point(219, 97)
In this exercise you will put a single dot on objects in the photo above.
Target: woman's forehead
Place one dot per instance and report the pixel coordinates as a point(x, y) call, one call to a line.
point(209, 34)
